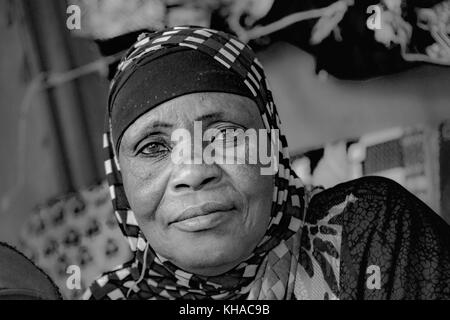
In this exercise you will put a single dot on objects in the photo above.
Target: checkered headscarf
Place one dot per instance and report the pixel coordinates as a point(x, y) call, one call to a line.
point(270, 270)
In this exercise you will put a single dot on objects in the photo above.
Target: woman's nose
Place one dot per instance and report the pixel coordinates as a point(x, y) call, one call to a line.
point(188, 177)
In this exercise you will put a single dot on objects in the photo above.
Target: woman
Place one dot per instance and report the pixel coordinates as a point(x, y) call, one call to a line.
point(226, 230)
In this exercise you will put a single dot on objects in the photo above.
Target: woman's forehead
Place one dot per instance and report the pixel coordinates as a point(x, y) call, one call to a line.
point(205, 106)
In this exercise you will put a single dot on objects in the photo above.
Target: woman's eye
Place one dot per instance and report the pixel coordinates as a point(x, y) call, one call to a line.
point(228, 136)
point(220, 135)
point(153, 149)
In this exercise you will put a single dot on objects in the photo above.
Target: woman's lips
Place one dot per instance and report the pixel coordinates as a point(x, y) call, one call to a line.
point(206, 216)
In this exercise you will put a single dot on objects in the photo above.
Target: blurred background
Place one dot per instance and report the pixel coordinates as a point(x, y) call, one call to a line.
point(362, 88)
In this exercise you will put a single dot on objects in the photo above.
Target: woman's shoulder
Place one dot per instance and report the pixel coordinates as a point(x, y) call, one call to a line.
point(375, 199)
point(387, 230)
point(366, 196)
point(366, 187)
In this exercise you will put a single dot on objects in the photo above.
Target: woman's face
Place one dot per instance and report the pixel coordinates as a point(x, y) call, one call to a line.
point(204, 218)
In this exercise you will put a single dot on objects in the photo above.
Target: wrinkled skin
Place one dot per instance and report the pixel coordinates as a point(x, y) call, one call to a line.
point(158, 189)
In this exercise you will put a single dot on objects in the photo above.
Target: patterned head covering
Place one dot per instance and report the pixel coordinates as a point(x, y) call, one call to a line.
point(271, 269)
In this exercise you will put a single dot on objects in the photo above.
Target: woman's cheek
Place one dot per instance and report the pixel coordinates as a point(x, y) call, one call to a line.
point(250, 177)
point(256, 188)
point(144, 186)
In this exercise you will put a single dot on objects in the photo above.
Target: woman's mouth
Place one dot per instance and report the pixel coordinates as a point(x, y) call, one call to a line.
point(203, 217)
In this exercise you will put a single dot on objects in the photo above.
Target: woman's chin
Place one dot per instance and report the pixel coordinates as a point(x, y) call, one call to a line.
point(212, 257)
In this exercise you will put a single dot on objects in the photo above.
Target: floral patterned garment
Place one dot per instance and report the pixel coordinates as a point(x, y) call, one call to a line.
point(392, 245)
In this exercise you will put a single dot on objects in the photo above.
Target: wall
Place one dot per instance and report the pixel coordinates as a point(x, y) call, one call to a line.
point(63, 141)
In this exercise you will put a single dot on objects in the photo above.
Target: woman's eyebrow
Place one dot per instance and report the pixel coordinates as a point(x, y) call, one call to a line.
point(159, 124)
point(148, 128)
point(210, 116)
